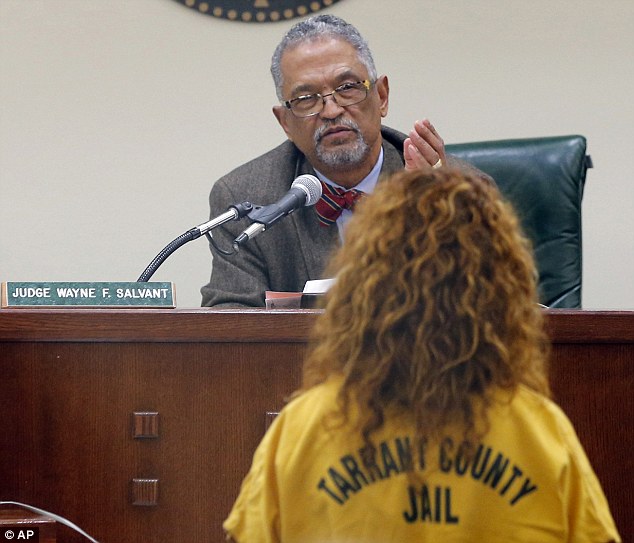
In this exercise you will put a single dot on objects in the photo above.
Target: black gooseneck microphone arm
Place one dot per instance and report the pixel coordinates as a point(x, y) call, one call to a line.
point(233, 213)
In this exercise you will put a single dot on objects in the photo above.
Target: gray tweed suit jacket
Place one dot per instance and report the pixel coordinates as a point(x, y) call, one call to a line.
point(292, 251)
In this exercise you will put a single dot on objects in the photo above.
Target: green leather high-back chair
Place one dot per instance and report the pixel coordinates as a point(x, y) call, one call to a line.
point(543, 178)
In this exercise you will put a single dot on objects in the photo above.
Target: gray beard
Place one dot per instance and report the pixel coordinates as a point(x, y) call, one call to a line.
point(349, 155)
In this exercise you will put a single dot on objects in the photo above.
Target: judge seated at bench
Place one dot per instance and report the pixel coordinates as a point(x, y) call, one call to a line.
point(425, 410)
point(332, 102)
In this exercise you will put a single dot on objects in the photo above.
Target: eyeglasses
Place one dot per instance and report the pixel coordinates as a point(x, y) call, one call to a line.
point(344, 95)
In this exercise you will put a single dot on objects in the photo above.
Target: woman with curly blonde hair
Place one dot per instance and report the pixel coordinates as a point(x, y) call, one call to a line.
point(424, 413)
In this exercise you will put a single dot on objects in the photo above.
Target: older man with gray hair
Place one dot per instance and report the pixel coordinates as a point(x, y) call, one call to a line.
point(332, 103)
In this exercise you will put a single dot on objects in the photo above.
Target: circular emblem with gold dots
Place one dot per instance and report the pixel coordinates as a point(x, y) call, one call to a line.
point(257, 11)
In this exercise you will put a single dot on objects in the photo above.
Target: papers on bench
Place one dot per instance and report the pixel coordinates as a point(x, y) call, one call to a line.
point(298, 300)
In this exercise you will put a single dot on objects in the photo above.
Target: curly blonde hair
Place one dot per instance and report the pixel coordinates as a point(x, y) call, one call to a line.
point(434, 305)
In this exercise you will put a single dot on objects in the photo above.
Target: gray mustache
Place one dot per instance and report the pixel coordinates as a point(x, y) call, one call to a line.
point(319, 133)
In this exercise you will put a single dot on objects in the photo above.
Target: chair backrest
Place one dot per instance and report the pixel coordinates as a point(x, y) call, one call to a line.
point(543, 178)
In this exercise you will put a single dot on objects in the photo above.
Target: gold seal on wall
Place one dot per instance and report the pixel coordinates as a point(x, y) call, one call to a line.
point(257, 11)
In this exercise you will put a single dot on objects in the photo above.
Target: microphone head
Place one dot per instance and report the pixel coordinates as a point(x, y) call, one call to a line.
point(311, 187)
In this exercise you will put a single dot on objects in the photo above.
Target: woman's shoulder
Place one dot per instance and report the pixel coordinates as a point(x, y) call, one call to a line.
point(315, 400)
point(536, 409)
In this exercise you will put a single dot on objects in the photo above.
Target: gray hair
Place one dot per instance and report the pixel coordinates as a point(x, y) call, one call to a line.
point(313, 29)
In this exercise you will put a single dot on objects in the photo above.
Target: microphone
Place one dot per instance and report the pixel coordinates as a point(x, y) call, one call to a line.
point(234, 212)
point(304, 191)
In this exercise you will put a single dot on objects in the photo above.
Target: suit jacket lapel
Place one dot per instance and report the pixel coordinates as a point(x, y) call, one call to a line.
point(316, 241)
point(392, 159)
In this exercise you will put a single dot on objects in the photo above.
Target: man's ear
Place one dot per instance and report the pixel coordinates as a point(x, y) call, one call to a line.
point(383, 89)
point(280, 113)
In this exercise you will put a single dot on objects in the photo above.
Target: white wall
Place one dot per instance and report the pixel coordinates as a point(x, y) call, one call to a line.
point(116, 116)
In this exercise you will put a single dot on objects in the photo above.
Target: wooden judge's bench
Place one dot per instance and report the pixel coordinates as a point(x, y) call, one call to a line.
point(139, 425)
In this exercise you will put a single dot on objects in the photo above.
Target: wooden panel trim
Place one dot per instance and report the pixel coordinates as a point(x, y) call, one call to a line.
point(250, 325)
point(581, 326)
point(145, 425)
point(156, 325)
point(145, 492)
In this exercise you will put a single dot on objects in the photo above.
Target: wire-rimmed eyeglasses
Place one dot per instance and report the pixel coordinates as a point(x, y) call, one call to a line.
point(344, 95)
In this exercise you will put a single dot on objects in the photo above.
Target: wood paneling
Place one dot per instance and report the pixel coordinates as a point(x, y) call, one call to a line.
point(203, 381)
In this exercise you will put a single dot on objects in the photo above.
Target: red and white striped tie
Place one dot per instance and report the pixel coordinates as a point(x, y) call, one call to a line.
point(333, 201)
